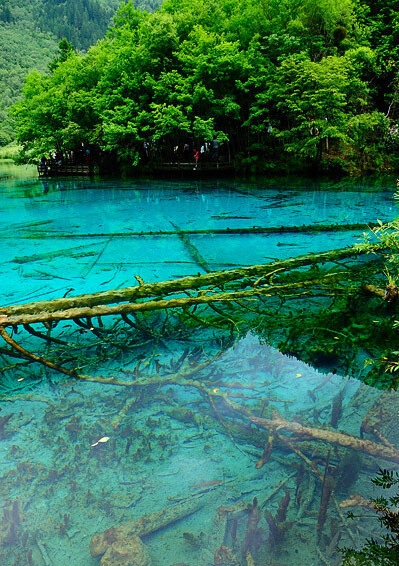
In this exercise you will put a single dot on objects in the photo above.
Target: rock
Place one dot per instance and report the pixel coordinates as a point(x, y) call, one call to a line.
point(225, 557)
point(131, 552)
point(100, 543)
point(144, 525)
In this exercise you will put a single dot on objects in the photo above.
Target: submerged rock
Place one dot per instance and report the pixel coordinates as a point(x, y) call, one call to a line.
point(131, 552)
point(145, 525)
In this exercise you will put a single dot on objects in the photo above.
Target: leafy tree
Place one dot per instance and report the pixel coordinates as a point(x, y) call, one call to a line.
point(328, 19)
point(297, 82)
point(81, 22)
point(317, 101)
point(381, 19)
point(65, 50)
point(60, 114)
point(375, 553)
point(29, 34)
point(6, 14)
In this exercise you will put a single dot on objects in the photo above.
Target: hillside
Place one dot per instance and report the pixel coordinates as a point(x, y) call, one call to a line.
point(29, 36)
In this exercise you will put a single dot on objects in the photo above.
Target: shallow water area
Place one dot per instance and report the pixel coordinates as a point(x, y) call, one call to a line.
point(80, 236)
point(170, 452)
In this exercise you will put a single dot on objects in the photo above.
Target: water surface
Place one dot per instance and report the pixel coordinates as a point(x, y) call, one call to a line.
point(80, 457)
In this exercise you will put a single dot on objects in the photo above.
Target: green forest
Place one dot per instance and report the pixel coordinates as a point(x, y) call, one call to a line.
point(282, 85)
point(29, 36)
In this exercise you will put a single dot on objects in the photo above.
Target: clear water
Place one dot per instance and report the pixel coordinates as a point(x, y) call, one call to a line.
point(171, 447)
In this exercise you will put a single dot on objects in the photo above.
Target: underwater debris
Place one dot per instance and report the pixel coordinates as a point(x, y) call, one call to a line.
point(278, 525)
point(281, 514)
point(145, 525)
point(191, 249)
point(9, 525)
point(3, 422)
point(129, 552)
point(267, 451)
point(102, 440)
point(347, 471)
point(220, 525)
point(150, 376)
point(97, 304)
point(336, 408)
point(43, 553)
point(193, 540)
point(357, 500)
point(260, 291)
point(205, 484)
point(249, 559)
point(381, 419)
point(254, 516)
point(225, 556)
point(389, 294)
point(64, 525)
point(304, 494)
point(336, 438)
point(328, 485)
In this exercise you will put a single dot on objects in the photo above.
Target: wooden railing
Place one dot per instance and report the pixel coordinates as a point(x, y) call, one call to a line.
point(54, 170)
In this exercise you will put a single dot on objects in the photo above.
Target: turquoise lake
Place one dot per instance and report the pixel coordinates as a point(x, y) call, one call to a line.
point(161, 472)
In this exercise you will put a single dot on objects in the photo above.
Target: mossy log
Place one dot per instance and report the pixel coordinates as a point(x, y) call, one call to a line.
point(144, 525)
point(390, 294)
point(121, 301)
point(330, 436)
point(305, 228)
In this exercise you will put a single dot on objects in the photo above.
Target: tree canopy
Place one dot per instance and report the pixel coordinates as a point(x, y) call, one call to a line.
point(30, 32)
point(286, 84)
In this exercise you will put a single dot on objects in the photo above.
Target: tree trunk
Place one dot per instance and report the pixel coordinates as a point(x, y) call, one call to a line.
point(97, 304)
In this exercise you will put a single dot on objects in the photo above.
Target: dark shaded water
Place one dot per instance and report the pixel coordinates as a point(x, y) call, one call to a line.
point(168, 440)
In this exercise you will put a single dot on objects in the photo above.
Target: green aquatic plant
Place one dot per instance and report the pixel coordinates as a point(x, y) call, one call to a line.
point(386, 550)
point(386, 237)
point(392, 279)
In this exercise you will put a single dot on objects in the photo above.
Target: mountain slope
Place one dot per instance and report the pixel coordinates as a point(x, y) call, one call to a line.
point(29, 34)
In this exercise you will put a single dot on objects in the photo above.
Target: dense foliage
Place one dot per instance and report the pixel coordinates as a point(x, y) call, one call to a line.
point(386, 552)
point(82, 22)
point(310, 83)
point(23, 47)
point(30, 32)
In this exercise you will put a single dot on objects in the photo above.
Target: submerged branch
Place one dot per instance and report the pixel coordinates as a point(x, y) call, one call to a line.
point(33, 357)
point(98, 304)
point(309, 228)
point(330, 436)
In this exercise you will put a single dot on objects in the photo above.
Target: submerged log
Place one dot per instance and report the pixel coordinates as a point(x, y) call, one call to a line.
point(98, 304)
point(330, 436)
point(143, 526)
point(390, 294)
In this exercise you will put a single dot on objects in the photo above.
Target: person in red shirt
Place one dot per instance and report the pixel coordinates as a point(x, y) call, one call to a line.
point(196, 157)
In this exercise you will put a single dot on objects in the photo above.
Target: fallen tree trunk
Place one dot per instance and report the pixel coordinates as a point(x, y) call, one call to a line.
point(144, 525)
point(129, 308)
point(390, 294)
point(97, 304)
point(331, 436)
